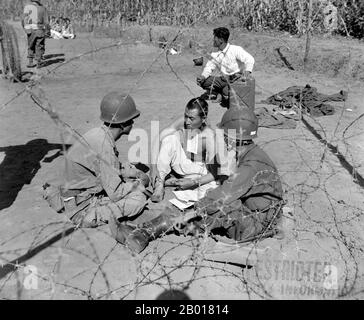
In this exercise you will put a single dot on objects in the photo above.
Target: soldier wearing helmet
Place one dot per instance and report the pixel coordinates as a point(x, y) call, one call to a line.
point(97, 185)
point(246, 207)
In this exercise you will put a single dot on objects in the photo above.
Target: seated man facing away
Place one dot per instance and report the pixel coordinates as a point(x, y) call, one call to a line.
point(187, 146)
point(97, 186)
point(246, 207)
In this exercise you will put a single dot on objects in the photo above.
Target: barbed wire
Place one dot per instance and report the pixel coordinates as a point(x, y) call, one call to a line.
point(150, 267)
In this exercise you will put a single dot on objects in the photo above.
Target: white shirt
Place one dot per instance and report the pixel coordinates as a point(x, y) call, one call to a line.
point(227, 61)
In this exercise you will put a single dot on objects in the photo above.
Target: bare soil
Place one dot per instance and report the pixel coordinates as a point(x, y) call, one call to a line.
point(325, 198)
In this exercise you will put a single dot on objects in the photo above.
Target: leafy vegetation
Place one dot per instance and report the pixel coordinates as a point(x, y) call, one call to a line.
point(281, 15)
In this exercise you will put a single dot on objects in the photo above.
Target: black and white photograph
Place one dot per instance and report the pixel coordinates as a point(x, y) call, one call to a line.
point(206, 151)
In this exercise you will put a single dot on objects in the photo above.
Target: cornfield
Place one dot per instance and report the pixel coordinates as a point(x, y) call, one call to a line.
point(282, 15)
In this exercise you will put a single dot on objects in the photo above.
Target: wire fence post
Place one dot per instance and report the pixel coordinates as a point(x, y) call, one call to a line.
point(308, 35)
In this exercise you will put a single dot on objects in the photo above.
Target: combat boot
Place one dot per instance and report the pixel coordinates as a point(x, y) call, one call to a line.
point(137, 239)
point(224, 102)
point(158, 192)
point(31, 64)
point(39, 64)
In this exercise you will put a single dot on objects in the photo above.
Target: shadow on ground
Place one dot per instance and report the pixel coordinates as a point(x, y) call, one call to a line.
point(20, 165)
point(53, 55)
point(47, 63)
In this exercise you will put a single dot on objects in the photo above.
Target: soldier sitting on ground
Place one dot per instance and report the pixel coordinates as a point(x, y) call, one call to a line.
point(246, 207)
point(97, 185)
point(35, 23)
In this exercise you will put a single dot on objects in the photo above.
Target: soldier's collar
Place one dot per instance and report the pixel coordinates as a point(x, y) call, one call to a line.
point(108, 133)
point(226, 48)
point(243, 150)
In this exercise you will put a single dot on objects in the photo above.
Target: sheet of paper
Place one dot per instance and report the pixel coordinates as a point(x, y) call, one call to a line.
point(180, 204)
point(186, 195)
point(287, 112)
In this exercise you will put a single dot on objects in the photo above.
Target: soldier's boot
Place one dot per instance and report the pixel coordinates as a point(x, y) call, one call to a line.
point(224, 102)
point(138, 238)
point(31, 63)
point(158, 192)
point(39, 63)
point(118, 230)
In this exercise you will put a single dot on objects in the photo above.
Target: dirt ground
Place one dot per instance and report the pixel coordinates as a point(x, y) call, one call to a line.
point(325, 199)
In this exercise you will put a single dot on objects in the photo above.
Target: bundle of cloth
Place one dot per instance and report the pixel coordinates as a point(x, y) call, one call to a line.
point(312, 102)
point(61, 28)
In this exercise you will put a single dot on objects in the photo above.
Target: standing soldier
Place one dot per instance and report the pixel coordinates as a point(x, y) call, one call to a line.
point(35, 24)
point(97, 185)
point(246, 207)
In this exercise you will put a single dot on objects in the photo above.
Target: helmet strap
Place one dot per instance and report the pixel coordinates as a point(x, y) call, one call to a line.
point(240, 143)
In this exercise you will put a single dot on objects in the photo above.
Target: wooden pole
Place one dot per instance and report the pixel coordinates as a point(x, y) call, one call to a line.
point(308, 35)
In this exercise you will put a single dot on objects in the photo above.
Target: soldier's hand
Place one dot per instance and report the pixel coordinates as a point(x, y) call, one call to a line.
point(128, 171)
point(184, 184)
point(143, 178)
point(200, 80)
point(153, 174)
point(247, 74)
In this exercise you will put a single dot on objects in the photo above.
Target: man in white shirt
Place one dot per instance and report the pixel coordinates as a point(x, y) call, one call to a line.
point(226, 60)
point(188, 147)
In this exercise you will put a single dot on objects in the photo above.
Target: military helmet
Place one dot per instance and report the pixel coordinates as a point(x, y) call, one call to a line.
point(239, 123)
point(118, 108)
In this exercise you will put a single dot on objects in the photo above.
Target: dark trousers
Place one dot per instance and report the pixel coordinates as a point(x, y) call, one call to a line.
point(239, 223)
point(36, 44)
point(216, 85)
point(220, 84)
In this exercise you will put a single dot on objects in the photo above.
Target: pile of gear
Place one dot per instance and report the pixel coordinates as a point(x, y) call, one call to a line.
point(308, 98)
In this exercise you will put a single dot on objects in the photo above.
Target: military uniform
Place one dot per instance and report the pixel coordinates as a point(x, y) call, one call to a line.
point(248, 202)
point(95, 188)
point(35, 22)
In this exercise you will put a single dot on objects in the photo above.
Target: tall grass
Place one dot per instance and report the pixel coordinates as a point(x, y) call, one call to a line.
point(282, 15)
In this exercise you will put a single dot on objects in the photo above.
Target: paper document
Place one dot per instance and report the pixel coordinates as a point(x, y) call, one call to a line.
point(187, 195)
point(287, 112)
point(180, 204)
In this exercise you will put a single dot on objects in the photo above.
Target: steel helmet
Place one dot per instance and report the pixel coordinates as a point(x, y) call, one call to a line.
point(118, 108)
point(239, 123)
